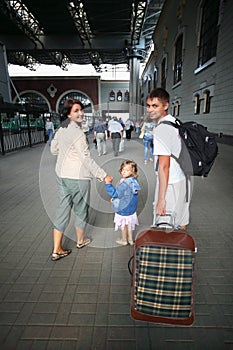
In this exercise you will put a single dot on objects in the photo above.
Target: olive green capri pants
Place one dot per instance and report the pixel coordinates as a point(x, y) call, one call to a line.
point(73, 193)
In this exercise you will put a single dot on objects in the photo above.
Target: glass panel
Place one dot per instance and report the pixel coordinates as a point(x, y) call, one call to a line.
point(178, 68)
point(163, 74)
point(209, 31)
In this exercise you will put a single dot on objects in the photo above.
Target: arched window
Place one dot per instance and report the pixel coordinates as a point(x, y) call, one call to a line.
point(206, 102)
point(197, 104)
point(178, 64)
point(173, 109)
point(33, 98)
point(126, 98)
point(77, 95)
point(112, 96)
point(177, 108)
point(119, 96)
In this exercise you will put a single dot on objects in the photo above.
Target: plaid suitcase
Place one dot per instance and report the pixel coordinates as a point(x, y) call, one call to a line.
point(163, 274)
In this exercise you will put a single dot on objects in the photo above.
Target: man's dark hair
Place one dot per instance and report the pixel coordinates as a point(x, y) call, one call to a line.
point(160, 93)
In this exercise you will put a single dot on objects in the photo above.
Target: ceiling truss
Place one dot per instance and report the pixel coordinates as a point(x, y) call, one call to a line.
point(96, 32)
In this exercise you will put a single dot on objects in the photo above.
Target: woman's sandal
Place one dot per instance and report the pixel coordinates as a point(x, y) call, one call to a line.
point(85, 242)
point(58, 256)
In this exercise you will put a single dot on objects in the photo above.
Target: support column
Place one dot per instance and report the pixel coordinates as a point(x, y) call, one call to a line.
point(5, 90)
point(135, 56)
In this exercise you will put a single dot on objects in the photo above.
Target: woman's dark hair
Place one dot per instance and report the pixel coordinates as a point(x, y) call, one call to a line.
point(68, 104)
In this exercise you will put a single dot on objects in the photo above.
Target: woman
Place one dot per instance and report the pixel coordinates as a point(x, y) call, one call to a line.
point(74, 169)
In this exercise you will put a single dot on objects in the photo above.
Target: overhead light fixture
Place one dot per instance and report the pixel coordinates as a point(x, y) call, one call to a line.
point(31, 63)
point(65, 63)
point(96, 60)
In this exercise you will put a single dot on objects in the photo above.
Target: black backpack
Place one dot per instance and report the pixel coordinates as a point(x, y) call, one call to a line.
point(199, 148)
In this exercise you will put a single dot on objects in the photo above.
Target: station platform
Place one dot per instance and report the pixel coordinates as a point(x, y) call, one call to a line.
point(82, 302)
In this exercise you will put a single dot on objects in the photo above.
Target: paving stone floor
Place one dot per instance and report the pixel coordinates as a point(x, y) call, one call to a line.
point(82, 302)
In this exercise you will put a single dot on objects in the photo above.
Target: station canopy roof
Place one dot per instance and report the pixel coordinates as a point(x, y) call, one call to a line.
point(63, 32)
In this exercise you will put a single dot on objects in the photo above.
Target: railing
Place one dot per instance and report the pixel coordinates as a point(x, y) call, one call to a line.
point(20, 136)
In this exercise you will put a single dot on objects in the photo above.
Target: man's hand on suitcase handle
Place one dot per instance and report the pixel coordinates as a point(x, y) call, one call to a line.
point(161, 207)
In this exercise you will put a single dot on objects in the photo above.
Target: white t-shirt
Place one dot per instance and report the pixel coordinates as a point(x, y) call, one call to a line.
point(115, 126)
point(166, 142)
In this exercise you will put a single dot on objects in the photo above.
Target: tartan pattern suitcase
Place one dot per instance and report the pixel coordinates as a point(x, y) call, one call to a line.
point(163, 277)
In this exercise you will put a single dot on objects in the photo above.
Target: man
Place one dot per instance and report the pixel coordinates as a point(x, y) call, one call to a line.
point(116, 136)
point(170, 192)
point(100, 134)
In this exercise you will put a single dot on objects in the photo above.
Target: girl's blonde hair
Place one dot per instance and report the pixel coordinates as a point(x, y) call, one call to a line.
point(133, 166)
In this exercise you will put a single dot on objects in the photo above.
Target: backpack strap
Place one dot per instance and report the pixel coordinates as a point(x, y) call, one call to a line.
point(177, 123)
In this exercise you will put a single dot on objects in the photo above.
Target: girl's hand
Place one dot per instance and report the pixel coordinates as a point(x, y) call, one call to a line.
point(108, 179)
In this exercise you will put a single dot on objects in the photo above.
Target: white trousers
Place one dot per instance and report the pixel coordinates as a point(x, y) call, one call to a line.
point(176, 201)
point(101, 143)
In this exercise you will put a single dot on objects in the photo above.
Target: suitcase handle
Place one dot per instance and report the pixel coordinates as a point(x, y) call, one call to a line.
point(168, 214)
point(163, 223)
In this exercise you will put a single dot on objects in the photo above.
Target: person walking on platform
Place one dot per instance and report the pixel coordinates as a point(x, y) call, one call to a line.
point(100, 134)
point(148, 142)
point(170, 192)
point(115, 132)
point(125, 201)
point(50, 129)
point(74, 169)
point(129, 126)
point(85, 128)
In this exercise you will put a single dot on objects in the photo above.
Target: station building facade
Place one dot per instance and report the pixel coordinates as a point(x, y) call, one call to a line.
point(192, 59)
point(22, 123)
point(100, 98)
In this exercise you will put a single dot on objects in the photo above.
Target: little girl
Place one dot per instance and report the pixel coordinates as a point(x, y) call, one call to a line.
point(125, 201)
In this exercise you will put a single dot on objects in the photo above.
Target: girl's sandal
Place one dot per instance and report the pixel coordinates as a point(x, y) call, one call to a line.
point(121, 242)
point(58, 256)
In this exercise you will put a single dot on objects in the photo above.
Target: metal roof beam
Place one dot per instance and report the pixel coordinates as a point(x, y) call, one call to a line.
point(24, 19)
point(138, 13)
point(79, 16)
